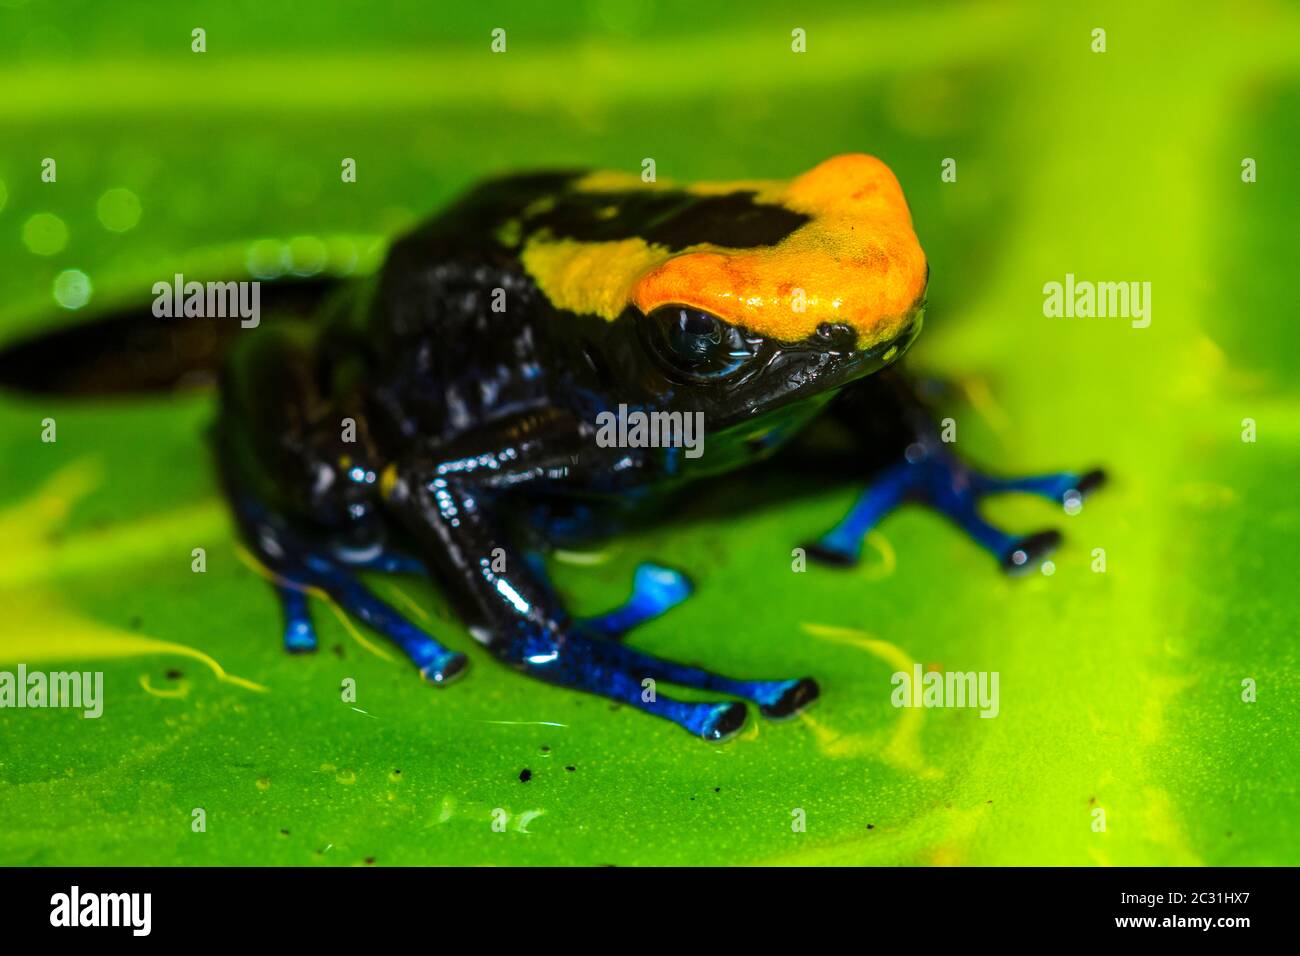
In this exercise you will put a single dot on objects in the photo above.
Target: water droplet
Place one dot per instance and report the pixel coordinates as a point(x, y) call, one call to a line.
point(1073, 502)
point(308, 255)
point(45, 234)
point(343, 255)
point(72, 288)
point(118, 209)
point(1049, 568)
point(267, 259)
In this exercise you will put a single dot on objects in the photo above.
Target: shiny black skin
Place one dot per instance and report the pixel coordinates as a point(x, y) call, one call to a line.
point(426, 369)
point(471, 422)
point(401, 424)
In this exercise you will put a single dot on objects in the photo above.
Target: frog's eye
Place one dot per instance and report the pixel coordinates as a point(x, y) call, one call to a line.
point(695, 343)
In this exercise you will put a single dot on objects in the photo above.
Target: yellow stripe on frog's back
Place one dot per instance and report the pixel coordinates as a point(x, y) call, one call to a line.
point(855, 261)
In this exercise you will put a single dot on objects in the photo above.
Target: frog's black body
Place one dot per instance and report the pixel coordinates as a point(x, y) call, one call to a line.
point(410, 427)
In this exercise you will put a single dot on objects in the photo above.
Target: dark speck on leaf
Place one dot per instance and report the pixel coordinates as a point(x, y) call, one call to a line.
point(370, 861)
point(283, 832)
point(338, 650)
point(871, 826)
point(174, 674)
point(525, 775)
point(717, 789)
point(545, 749)
point(570, 769)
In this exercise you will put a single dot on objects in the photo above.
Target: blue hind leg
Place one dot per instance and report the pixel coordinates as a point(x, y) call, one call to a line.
point(932, 475)
point(300, 567)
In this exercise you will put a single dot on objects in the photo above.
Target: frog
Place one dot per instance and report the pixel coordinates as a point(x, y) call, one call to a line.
point(442, 417)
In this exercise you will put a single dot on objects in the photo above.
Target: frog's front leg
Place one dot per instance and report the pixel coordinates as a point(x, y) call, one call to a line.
point(655, 590)
point(918, 466)
point(450, 507)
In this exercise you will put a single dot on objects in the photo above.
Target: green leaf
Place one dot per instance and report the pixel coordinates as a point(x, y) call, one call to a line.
point(1120, 691)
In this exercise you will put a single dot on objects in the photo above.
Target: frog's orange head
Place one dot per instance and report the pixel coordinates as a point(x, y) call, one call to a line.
point(832, 248)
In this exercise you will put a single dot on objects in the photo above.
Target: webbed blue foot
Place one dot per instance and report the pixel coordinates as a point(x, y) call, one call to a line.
point(931, 474)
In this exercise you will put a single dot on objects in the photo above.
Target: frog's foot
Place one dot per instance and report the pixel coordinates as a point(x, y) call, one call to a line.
point(655, 589)
point(932, 475)
point(300, 569)
point(574, 659)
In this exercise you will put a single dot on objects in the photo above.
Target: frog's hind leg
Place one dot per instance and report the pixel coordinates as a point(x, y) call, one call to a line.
point(300, 568)
point(655, 590)
point(932, 475)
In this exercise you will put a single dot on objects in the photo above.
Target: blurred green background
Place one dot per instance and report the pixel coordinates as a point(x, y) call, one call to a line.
point(1120, 690)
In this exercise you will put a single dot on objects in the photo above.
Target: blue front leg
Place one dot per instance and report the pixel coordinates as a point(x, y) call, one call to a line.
point(655, 589)
point(523, 623)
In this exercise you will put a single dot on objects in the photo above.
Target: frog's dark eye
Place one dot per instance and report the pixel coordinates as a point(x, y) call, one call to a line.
point(696, 344)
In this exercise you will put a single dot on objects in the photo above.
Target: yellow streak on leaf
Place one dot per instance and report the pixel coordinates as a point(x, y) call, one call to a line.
point(903, 750)
point(39, 630)
point(176, 693)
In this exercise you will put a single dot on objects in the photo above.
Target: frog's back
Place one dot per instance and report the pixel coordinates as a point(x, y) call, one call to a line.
point(457, 326)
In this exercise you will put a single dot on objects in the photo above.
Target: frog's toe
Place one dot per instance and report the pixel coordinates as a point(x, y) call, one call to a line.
point(793, 697)
point(445, 668)
point(723, 721)
point(1090, 482)
point(300, 637)
point(827, 554)
point(1028, 551)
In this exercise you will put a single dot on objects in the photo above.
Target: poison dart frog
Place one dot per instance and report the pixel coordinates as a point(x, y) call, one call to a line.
point(441, 418)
